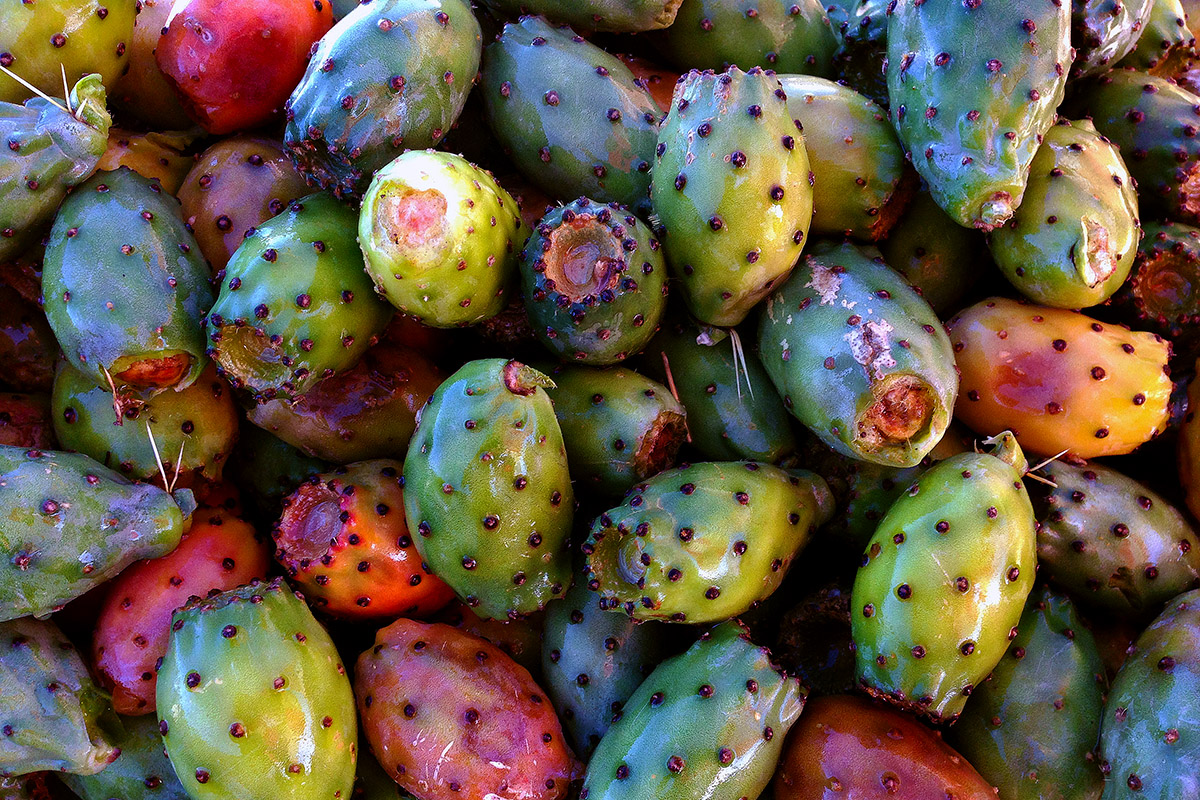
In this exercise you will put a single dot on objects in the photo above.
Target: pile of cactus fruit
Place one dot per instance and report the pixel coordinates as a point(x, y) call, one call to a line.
point(599, 399)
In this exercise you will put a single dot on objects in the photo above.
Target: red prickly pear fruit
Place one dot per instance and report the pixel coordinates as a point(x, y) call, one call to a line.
point(425, 690)
point(220, 552)
point(233, 63)
point(344, 541)
point(221, 495)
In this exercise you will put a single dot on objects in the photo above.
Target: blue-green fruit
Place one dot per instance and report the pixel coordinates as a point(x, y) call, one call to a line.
point(944, 581)
point(141, 772)
point(617, 16)
point(859, 357)
point(1104, 31)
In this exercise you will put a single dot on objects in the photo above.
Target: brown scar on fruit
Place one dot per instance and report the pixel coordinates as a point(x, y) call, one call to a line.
point(156, 373)
point(902, 407)
point(583, 259)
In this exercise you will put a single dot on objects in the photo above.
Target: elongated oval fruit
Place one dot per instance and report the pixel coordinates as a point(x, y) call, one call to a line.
point(1058, 379)
point(926, 637)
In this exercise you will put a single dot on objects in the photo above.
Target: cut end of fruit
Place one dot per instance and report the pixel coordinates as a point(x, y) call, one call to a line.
point(902, 408)
point(584, 258)
point(995, 212)
point(160, 372)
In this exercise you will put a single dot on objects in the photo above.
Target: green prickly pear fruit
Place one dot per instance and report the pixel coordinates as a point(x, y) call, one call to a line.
point(781, 35)
point(1105, 31)
point(617, 16)
point(1112, 543)
point(926, 638)
point(349, 116)
point(440, 238)
point(72, 524)
point(1164, 35)
point(709, 722)
point(572, 118)
point(1031, 727)
point(1148, 737)
point(861, 26)
point(859, 357)
point(593, 661)
point(51, 150)
point(488, 491)
point(1163, 291)
point(253, 699)
point(732, 189)
point(153, 155)
point(48, 44)
point(703, 542)
point(125, 284)
point(141, 772)
point(862, 184)
point(1072, 242)
point(295, 306)
point(970, 114)
point(425, 689)
point(268, 469)
point(594, 281)
point(54, 717)
point(619, 428)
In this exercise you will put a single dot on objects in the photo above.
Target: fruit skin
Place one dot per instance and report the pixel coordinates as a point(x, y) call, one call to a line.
point(142, 91)
point(440, 238)
point(619, 427)
point(596, 15)
point(859, 357)
point(147, 334)
point(1188, 451)
point(60, 720)
point(971, 90)
point(782, 36)
point(53, 550)
point(925, 638)
point(866, 749)
point(707, 723)
point(201, 422)
point(572, 118)
point(595, 284)
point(1073, 241)
point(862, 184)
point(351, 115)
point(1149, 119)
point(38, 41)
point(343, 539)
point(732, 189)
point(519, 639)
point(703, 542)
point(219, 553)
point(55, 151)
point(1147, 738)
point(153, 155)
point(1058, 379)
point(28, 348)
point(1112, 543)
point(861, 27)
point(140, 772)
point(1032, 726)
point(235, 185)
point(1162, 294)
point(426, 688)
point(25, 421)
point(253, 699)
point(268, 469)
point(1165, 34)
point(1104, 31)
point(488, 491)
point(295, 306)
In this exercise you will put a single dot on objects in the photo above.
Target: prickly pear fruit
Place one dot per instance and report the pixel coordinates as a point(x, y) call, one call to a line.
point(51, 150)
point(349, 115)
point(72, 524)
point(140, 772)
point(54, 716)
point(704, 542)
point(573, 118)
point(655, 79)
point(1104, 31)
point(142, 91)
point(859, 357)
point(849, 744)
point(1112, 543)
point(426, 689)
point(1058, 379)
point(733, 190)
point(43, 42)
point(1072, 242)
point(1163, 291)
point(1032, 726)
point(488, 491)
point(597, 15)
point(861, 26)
point(153, 155)
point(440, 238)
point(781, 35)
point(125, 284)
point(519, 639)
point(268, 469)
point(1189, 451)
point(926, 638)
point(253, 700)
point(594, 281)
point(1164, 35)
point(707, 723)
point(235, 185)
point(28, 349)
point(1148, 739)
point(219, 553)
point(970, 114)
point(295, 305)
point(25, 421)
point(862, 185)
